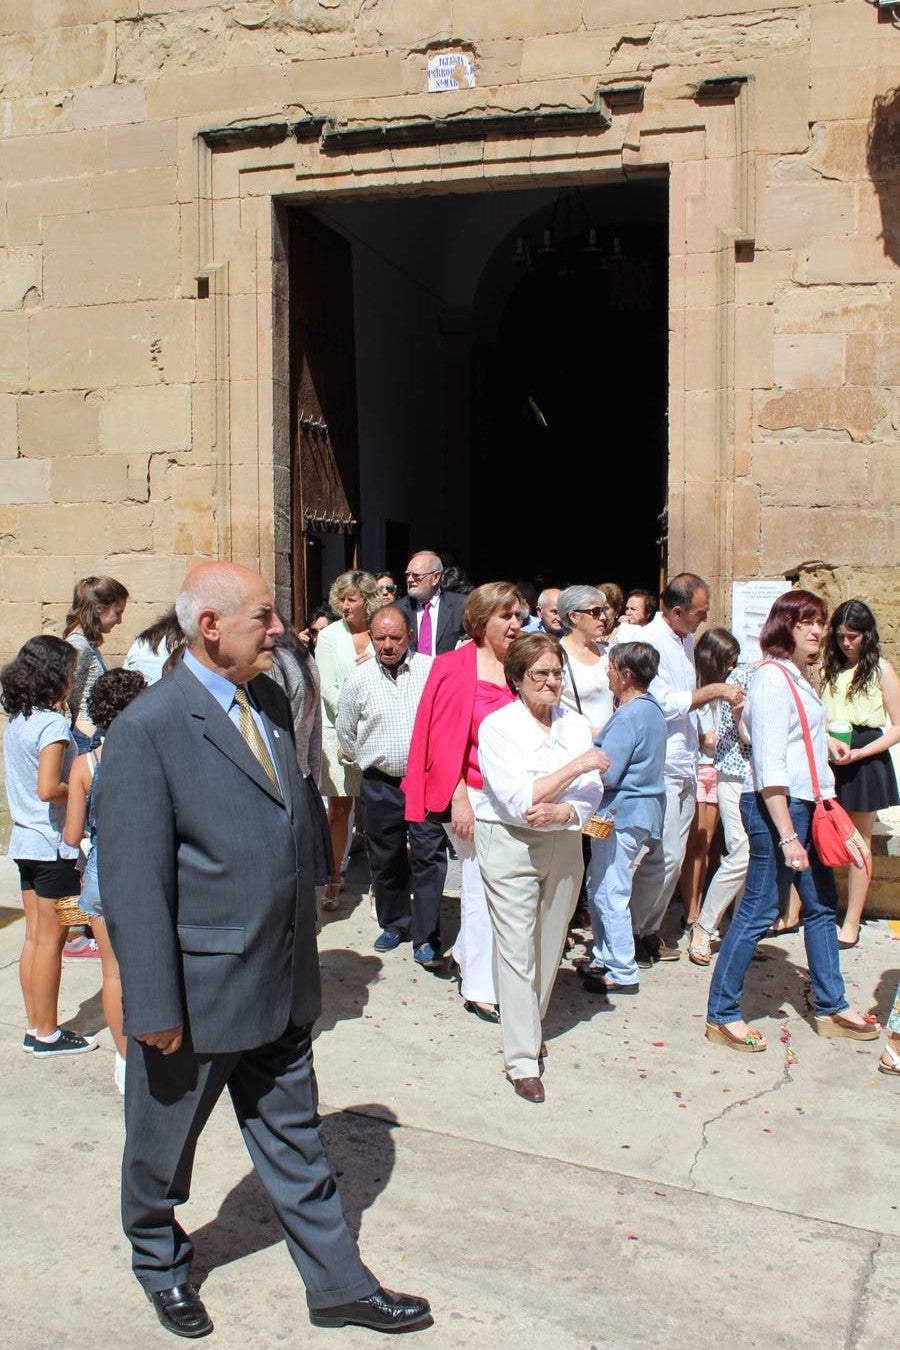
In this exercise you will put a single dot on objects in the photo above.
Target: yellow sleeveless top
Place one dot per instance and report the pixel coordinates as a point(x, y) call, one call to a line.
point(861, 709)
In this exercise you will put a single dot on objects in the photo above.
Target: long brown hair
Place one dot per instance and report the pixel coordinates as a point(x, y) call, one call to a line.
point(92, 594)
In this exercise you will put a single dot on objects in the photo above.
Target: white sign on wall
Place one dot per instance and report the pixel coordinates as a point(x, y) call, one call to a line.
point(450, 70)
point(750, 605)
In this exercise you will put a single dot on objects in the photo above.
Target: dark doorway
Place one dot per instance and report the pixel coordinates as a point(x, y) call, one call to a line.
point(511, 378)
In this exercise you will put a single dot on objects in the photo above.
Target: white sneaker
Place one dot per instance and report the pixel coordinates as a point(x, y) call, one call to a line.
point(119, 1074)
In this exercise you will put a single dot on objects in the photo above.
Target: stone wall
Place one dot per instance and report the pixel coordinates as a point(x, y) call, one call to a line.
point(142, 411)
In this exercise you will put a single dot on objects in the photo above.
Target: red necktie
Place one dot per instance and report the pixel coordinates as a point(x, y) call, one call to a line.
point(425, 630)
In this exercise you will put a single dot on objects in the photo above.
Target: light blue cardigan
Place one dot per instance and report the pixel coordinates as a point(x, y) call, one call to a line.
point(634, 788)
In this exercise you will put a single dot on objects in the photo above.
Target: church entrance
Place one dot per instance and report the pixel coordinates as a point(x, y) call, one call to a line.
point(490, 380)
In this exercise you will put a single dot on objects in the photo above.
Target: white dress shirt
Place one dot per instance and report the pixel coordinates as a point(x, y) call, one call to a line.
point(777, 752)
point(673, 690)
point(514, 749)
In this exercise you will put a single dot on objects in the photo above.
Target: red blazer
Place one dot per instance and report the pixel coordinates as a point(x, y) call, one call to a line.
point(437, 751)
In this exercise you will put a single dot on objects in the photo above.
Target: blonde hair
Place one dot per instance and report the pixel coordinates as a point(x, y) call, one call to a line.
point(487, 600)
point(355, 580)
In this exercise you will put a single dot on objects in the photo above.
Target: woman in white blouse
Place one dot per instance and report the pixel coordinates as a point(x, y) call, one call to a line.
point(541, 783)
point(778, 817)
point(582, 613)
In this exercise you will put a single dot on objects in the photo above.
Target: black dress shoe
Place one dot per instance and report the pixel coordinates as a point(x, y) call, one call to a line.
point(180, 1310)
point(486, 1014)
point(381, 1311)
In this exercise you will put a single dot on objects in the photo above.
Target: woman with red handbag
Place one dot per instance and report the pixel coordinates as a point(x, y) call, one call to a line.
point(785, 721)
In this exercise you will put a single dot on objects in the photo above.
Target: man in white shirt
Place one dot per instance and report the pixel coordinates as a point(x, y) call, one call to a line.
point(435, 615)
point(685, 605)
point(376, 712)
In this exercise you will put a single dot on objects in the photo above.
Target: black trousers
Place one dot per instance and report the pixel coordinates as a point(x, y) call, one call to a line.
point(168, 1100)
point(404, 856)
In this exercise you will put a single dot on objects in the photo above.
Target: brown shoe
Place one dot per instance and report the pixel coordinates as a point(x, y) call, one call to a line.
point(530, 1089)
point(660, 950)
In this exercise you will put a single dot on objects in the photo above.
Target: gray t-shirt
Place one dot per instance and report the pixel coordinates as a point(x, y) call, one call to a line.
point(37, 825)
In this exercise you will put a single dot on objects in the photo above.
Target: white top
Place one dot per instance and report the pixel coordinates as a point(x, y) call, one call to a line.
point(707, 720)
point(514, 749)
point(376, 712)
point(777, 752)
point(673, 689)
point(146, 659)
point(593, 688)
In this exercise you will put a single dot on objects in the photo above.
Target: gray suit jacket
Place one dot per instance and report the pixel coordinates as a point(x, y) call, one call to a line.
point(449, 625)
point(206, 875)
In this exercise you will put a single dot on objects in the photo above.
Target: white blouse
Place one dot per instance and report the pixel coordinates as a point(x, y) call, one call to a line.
point(514, 749)
point(594, 692)
point(777, 750)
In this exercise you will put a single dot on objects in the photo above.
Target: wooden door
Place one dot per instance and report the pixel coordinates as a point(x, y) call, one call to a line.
point(325, 451)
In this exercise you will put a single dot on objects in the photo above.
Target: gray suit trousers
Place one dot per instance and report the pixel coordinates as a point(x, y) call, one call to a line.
point(168, 1100)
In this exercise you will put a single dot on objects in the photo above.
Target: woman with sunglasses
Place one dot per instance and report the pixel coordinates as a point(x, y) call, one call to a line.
point(583, 615)
point(387, 588)
point(541, 783)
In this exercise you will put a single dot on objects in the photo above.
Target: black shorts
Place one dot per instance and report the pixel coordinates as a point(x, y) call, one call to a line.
point(50, 880)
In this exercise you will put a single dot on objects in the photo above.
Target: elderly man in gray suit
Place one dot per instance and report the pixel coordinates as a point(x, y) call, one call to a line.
point(204, 833)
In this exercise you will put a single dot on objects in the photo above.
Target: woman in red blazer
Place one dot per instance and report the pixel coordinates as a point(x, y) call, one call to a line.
point(443, 778)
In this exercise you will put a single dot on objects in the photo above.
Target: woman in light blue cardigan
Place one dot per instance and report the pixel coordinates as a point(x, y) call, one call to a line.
point(634, 793)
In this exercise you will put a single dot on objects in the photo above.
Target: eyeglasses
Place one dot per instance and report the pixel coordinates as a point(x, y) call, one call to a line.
point(387, 590)
point(420, 576)
point(542, 677)
point(596, 613)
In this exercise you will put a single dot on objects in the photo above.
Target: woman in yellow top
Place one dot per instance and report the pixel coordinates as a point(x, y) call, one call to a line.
point(862, 689)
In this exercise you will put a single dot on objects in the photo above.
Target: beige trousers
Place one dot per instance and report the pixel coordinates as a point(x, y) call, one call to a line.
point(531, 880)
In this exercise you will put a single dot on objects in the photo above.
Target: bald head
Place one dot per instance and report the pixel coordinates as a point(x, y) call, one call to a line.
point(228, 616)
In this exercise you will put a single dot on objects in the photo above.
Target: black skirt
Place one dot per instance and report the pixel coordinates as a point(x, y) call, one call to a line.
point(869, 784)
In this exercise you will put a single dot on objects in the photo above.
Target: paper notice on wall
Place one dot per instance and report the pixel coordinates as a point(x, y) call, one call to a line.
point(750, 605)
point(450, 70)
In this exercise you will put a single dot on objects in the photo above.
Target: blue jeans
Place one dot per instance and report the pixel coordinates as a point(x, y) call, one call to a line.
point(768, 880)
point(609, 882)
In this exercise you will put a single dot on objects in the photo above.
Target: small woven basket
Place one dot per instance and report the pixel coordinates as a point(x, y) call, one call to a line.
point(599, 827)
point(69, 912)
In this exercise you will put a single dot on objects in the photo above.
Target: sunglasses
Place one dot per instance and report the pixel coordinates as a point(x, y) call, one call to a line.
point(387, 590)
point(596, 613)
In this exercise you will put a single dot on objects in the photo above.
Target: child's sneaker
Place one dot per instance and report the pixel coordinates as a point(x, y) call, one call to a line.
point(82, 949)
point(66, 1043)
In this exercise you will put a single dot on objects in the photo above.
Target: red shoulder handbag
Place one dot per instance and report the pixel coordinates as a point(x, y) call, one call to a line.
point(836, 838)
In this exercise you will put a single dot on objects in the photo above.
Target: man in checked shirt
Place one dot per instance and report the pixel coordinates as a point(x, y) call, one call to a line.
point(376, 711)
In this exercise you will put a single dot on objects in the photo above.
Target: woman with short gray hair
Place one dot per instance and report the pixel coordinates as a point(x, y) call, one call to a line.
point(582, 614)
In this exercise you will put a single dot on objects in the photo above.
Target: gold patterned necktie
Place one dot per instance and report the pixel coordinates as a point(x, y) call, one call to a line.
point(254, 738)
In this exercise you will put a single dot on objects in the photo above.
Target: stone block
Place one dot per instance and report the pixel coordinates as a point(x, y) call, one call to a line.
point(802, 473)
point(149, 418)
point(874, 358)
point(145, 146)
point(701, 352)
point(20, 276)
point(568, 53)
point(37, 114)
point(796, 213)
point(106, 478)
point(853, 413)
point(28, 204)
point(111, 255)
point(58, 58)
point(839, 92)
point(69, 154)
point(499, 62)
point(102, 346)
point(763, 278)
point(10, 521)
point(842, 35)
point(753, 326)
point(9, 431)
point(522, 18)
point(883, 478)
point(747, 523)
point(112, 105)
point(622, 13)
point(64, 424)
point(70, 13)
point(844, 533)
point(743, 432)
point(808, 360)
point(13, 352)
point(405, 24)
point(132, 529)
point(838, 149)
point(19, 620)
point(848, 261)
point(133, 188)
point(150, 578)
point(836, 309)
point(23, 481)
point(780, 104)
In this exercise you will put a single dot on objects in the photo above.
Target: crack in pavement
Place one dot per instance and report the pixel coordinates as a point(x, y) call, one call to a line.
point(861, 1296)
point(784, 1079)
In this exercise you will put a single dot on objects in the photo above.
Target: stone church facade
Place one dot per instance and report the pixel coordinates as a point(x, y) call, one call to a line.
point(149, 150)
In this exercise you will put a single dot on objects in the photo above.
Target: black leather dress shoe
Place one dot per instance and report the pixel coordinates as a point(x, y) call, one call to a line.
point(381, 1311)
point(181, 1310)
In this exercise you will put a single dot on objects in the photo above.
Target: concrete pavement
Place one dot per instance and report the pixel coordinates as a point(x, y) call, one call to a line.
point(669, 1192)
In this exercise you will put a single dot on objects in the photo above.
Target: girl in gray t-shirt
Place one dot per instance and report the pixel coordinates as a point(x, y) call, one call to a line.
point(38, 751)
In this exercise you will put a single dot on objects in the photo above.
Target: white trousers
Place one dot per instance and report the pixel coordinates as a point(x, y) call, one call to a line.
point(728, 880)
point(649, 901)
point(473, 950)
point(531, 880)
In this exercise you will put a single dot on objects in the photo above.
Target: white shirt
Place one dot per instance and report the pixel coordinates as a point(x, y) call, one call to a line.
point(777, 752)
point(514, 749)
point(592, 683)
point(673, 689)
